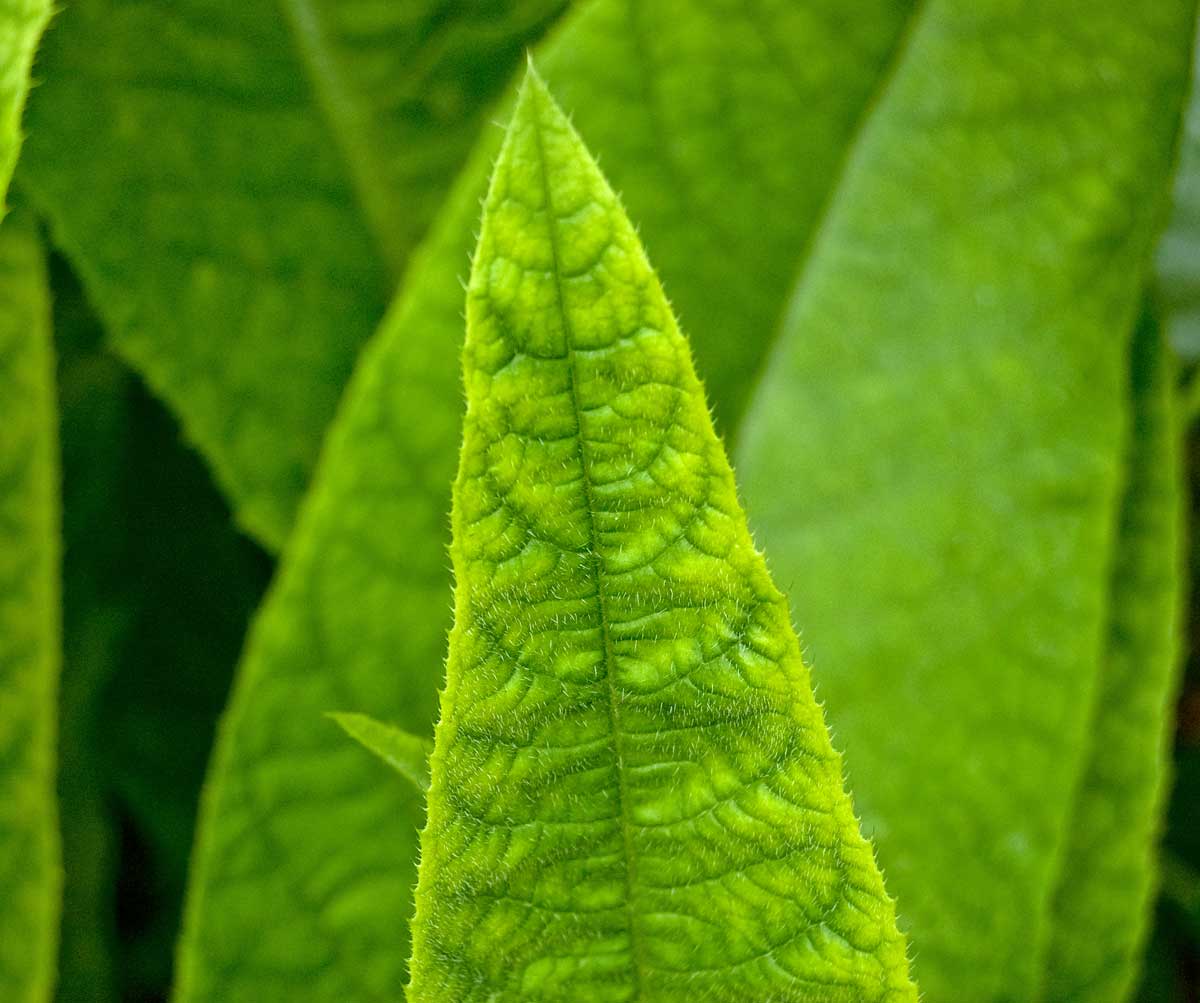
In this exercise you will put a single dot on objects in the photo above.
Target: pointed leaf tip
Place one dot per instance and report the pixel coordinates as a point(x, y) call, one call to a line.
point(406, 753)
point(630, 772)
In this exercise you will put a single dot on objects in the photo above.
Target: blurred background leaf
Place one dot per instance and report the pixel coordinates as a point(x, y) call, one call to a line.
point(239, 185)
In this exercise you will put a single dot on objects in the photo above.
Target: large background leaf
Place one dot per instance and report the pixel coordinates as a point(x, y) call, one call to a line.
point(357, 619)
point(238, 236)
point(936, 457)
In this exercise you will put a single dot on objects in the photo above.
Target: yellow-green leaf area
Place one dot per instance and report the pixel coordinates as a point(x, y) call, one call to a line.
point(634, 796)
point(21, 25)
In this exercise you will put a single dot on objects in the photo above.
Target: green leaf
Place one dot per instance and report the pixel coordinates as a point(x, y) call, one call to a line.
point(30, 632)
point(260, 228)
point(633, 793)
point(404, 752)
point(359, 613)
point(21, 25)
point(1100, 914)
point(936, 459)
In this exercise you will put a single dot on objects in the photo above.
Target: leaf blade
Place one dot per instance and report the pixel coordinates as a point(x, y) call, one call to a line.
point(948, 506)
point(596, 524)
point(30, 626)
point(21, 27)
point(359, 614)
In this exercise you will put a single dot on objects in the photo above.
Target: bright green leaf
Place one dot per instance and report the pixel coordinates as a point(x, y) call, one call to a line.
point(30, 642)
point(260, 228)
point(404, 752)
point(633, 793)
point(94, 424)
point(359, 614)
point(935, 462)
point(21, 26)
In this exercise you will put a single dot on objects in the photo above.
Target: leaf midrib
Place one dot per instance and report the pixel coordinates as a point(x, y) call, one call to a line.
point(614, 715)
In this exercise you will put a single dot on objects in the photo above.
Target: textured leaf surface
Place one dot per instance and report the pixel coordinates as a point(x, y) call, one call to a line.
point(1100, 914)
point(633, 793)
point(934, 459)
point(260, 228)
point(404, 752)
point(29, 622)
point(299, 827)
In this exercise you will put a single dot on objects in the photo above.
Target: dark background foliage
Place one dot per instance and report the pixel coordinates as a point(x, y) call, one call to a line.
point(158, 591)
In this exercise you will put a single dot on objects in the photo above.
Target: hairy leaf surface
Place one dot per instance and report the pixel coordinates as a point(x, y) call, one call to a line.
point(21, 25)
point(936, 460)
point(358, 617)
point(271, 166)
point(633, 793)
point(30, 641)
